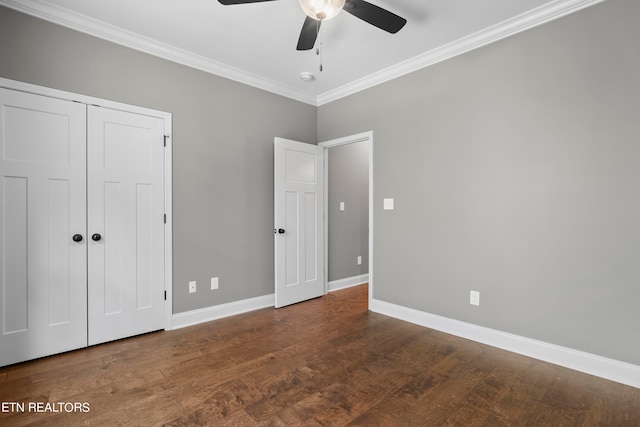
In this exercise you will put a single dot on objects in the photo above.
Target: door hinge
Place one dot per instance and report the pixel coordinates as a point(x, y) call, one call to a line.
point(165, 218)
point(165, 295)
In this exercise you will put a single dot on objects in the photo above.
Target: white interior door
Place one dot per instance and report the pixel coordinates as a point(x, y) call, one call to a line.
point(43, 306)
point(299, 230)
point(125, 224)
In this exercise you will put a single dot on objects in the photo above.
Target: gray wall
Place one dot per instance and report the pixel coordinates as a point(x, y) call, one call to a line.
point(515, 172)
point(349, 229)
point(222, 154)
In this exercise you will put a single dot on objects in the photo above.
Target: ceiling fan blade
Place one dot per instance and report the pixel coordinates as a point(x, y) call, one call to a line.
point(230, 2)
point(375, 15)
point(308, 34)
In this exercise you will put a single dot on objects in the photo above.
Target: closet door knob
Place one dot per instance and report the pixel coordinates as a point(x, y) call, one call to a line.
point(96, 237)
point(77, 237)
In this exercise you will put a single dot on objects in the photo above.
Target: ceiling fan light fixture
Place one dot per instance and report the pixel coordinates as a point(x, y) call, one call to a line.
point(321, 10)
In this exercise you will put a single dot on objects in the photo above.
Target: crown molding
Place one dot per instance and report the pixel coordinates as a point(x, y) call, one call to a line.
point(533, 18)
point(96, 28)
point(530, 19)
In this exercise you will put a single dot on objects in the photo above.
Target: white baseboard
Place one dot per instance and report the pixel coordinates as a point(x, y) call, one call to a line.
point(592, 364)
point(334, 285)
point(194, 317)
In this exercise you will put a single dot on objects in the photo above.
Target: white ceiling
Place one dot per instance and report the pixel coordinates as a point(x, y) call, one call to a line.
point(256, 43)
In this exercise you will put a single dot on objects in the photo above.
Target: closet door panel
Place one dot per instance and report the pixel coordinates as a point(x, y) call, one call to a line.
point(43, 194)
point(126, 208)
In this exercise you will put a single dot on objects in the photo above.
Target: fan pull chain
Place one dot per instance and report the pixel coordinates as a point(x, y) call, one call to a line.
point(319, 49)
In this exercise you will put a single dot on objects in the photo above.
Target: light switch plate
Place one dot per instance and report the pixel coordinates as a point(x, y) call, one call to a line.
point(192, 287)
point(388, 204)
point(474, 298)
point(341, 206)
point(214, 283)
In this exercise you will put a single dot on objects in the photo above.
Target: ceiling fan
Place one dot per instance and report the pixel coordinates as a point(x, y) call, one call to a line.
point(320, 10)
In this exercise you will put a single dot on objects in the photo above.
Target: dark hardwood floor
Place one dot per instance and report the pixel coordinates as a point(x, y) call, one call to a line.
point(323, 362)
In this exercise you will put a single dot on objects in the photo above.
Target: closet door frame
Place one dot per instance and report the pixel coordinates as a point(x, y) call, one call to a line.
point(89, 100)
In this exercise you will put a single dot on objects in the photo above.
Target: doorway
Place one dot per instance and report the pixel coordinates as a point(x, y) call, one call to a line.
point(342, 208)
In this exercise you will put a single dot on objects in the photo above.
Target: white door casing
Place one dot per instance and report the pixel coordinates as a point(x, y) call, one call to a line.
point(125, 162)
point(43, 196)
point(299, 225)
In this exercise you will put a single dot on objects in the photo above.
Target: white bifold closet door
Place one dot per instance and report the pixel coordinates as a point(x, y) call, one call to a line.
point(125, 162)
point(44, 280)
point(81, 225)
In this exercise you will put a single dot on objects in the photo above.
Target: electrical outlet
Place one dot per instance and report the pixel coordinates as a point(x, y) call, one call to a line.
point(388, 204)
point(214, 283)
point(359, 260)
point(192, 287)
point(474, 298)
point(341, 206)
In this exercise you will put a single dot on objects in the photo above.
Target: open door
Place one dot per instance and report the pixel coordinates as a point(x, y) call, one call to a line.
point(298, 216)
